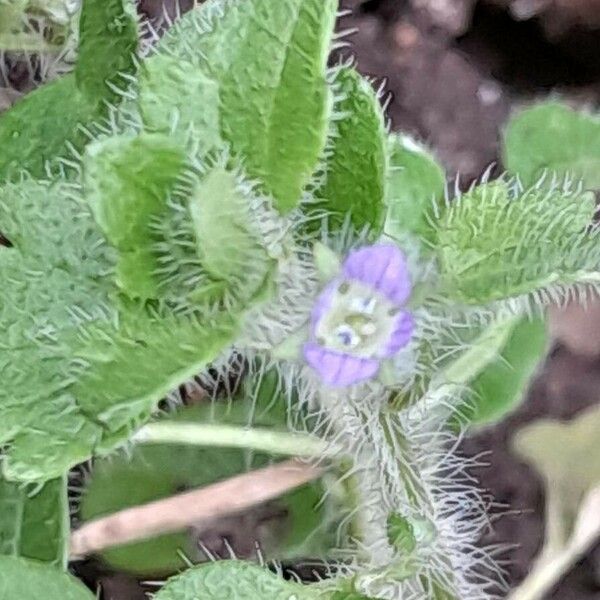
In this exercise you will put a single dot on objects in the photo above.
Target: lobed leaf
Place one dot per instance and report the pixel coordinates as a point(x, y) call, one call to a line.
point(566, 455)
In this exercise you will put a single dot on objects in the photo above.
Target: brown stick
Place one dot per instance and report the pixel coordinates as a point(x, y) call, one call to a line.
point(178, 512)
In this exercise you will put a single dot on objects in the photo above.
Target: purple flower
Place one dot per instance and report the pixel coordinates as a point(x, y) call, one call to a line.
point(358, 319)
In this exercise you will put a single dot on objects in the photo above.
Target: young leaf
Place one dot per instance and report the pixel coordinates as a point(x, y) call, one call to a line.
point(498, 388)
point(551, 137)
point(356, 166)
point(159, 470)
point(266, 61)
point(228, 248)
point(21, 578)
point(497, 242)
point(35, 523)
point(127, 181)
point(233, 580)
point(415, 183)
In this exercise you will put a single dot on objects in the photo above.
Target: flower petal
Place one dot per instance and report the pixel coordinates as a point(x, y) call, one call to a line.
point(383, 267)
point(337, 369)
point(404, 326)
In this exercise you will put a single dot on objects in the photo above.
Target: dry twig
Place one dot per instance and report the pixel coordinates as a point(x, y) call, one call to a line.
point(203, 505)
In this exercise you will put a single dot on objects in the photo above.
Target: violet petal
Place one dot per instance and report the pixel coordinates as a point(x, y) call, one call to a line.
point(401, 334)
point(337, 369)
point(383, 267)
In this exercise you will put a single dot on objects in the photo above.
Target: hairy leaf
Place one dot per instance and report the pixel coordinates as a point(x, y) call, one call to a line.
point(349, 596)
point(356, 165)
point(551, 137)
point(290, 527)
point(496, 242)
point(233, 580)
point(34, 523)
point(221, 215)
point(108, 42)
point(80, 365)
point(128, 180)
point(22, 578)
point(415, 185)
point(36, 129)
point(265, 62)
point(43, 125)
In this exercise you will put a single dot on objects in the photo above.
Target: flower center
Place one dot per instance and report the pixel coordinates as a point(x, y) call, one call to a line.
point(358, 322)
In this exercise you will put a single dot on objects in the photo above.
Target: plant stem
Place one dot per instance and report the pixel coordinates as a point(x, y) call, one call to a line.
point(232, 436)
point(191, 508)
point(418, 497)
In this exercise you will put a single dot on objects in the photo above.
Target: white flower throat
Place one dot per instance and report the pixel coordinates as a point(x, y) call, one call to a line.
point(359, 320)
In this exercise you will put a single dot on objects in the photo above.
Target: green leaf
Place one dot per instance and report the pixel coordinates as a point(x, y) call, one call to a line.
point(159, 470)
point(41, 127)
point(266, 61)
point(566, 456)
point(34, 523)
point(499, 388)
point(108, 42)
point(349, 596)
point(36, 129)
point(227, 246)
point(415, 185)
point(401, 534)
point(127, 182)
point(555, 138)
point(497, 242)
point(21, 578)
point(356, 166)
point(233, 580)
point(56, 264)
point(80, 365)
point(181, 100)
point(134, 364)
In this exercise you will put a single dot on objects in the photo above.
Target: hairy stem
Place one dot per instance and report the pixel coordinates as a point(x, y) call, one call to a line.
point(231, 436)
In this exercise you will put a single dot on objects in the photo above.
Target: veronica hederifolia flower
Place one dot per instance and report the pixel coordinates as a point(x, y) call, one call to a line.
point(359, 318)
